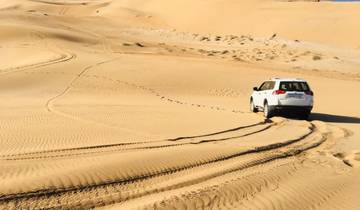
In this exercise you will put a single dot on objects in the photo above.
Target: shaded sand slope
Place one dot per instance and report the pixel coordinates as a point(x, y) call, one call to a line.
point(105, 105)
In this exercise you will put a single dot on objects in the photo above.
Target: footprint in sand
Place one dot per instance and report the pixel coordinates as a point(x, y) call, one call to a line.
point(204, 38)
point(218, 38)
point(202, 51)
point(339, 155)
point(273, 36)
point(342, 157)
point(306, 53)
point(139, 44)
point(238, 59)
point(316, 57)
point(232, 37)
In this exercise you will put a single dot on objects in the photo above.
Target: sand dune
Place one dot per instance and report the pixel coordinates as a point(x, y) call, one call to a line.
point(144, 105)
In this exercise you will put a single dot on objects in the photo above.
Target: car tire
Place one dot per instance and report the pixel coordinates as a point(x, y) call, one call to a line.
point(268, 111)
point(252, 106)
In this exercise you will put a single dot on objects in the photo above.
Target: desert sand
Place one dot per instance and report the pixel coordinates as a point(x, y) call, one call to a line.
point(143, 104)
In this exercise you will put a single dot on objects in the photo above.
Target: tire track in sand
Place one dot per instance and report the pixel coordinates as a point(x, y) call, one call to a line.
point(50, 108)
point(230, 134)
point(261, 189)
point(151, 91)
point(272, 152)
point(64, 57)
point(259, 160)
point(49, 103)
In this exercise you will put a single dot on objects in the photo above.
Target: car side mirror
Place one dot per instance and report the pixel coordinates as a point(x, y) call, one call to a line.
point(255, 89)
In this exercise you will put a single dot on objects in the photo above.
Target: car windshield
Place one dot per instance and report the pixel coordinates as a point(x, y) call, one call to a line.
point(294, 86)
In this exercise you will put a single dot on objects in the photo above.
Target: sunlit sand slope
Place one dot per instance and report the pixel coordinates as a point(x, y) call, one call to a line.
point(144, 105)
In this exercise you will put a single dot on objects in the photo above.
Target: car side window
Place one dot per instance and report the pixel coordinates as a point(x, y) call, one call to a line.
point(263, 86)
point(267, 86)
point(271, 85)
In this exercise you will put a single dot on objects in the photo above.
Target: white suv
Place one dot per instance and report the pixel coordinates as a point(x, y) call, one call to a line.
point(278, 94)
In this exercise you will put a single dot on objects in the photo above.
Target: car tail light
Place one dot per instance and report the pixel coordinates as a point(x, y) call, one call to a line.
point(279, 92)
point(310, 93)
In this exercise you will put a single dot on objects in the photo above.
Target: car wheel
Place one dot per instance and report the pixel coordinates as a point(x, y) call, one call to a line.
point(252, 106)
point(268, 111)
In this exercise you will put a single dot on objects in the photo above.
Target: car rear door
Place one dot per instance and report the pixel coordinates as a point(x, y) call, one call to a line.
point(263, 92)
point(268, 91)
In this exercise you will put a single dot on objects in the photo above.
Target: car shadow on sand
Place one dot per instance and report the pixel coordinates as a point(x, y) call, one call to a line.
point(334, 118)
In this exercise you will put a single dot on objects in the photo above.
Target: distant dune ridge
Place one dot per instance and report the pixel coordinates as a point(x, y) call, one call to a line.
point(144, 104)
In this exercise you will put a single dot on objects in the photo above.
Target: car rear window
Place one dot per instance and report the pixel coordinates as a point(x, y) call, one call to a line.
point(294, 86)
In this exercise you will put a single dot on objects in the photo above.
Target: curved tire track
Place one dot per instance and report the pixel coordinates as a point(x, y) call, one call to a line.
point(276, 151)
point(61, 59)
point(142, 145)
point(49, 102)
